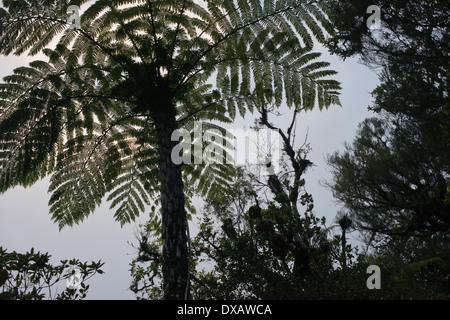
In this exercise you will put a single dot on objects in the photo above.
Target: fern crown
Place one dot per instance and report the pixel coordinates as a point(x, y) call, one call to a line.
point(86, 115)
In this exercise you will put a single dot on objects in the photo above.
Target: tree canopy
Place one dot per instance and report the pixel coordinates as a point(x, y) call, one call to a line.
point(394, 178)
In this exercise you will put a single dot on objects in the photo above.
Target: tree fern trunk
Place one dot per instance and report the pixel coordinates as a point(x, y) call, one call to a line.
point(174, 235)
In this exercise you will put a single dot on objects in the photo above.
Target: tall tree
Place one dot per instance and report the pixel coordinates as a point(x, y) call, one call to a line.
point(392, 179)
point(99, 115)
point(409, 136)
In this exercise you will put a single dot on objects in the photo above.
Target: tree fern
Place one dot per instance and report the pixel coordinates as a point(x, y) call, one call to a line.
point(98, 115)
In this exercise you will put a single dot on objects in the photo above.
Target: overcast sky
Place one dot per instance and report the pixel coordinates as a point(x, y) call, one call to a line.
point(25, 222)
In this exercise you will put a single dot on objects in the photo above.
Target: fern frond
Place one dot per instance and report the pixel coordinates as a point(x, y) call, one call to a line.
point(77, 185)
point(31, 25)
point(132, 180)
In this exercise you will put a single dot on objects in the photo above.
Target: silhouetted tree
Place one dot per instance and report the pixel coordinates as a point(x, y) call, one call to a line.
point(393, 179)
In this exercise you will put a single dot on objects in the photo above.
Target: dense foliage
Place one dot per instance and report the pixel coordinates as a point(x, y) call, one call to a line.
point(255, 242)
point(393, 180)
point(249, 249)
point(31, 276)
